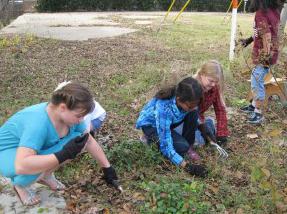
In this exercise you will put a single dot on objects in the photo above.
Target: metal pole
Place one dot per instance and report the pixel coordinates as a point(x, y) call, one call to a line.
point(169, 9)
point(182, 9)
point(233, 29)
point(283, 20)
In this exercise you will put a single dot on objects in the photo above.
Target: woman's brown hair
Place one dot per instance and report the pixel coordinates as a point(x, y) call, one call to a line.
point(75, 96)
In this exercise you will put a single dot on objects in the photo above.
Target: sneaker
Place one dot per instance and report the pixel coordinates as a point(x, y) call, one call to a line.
point(255, 118)
point(248, 109)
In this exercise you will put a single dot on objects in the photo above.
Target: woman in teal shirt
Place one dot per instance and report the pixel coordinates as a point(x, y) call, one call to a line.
point(37, 139)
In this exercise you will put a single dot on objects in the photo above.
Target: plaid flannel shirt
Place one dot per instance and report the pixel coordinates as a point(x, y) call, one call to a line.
point(161, 114)
point(212, 97)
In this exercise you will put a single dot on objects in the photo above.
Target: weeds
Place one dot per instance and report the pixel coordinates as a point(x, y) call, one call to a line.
point(174, 196)
point(8, 42)
point(129, 155)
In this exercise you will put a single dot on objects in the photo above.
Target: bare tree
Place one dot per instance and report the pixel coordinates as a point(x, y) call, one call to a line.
point(3, 4)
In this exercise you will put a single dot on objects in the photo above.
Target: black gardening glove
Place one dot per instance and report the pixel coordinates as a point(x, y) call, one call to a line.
point(221, 141)
point(246, 42)
point(72, 148)
point(206, 133)
point(197, 170)
point(111, 177)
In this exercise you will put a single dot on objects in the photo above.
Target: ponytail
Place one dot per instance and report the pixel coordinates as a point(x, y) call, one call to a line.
point(166, 93)
point(187, 90)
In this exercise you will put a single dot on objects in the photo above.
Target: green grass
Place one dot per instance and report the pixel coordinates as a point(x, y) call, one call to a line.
point(134, 155)
point(173, 196)
point(123, 73)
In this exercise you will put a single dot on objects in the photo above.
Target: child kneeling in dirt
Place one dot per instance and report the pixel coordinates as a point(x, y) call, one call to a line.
point(95, 119)
point(169, 108)
point(35, 141)
point(210, 76)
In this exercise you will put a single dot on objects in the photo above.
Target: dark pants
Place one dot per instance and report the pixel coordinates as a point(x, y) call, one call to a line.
point(181, 143)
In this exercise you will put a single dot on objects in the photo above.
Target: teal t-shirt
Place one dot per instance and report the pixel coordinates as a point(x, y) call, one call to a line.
point(32, 128)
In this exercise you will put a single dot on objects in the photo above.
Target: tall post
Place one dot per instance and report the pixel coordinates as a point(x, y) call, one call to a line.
point(233, 29)
point(283, 20)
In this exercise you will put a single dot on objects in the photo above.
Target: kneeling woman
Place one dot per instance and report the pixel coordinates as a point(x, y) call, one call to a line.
point(170, 107)
point(37, 139)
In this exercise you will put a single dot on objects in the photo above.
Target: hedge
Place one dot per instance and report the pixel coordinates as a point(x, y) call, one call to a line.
point(130, 5)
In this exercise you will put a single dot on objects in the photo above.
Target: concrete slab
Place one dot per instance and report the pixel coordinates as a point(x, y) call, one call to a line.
point(143, 22)
point(69, 33)
point(141, 17)
point(9, 202)
point(68, 19)
point(66, 26)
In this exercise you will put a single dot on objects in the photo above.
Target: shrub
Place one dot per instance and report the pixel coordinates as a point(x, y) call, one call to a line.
point(142, 5)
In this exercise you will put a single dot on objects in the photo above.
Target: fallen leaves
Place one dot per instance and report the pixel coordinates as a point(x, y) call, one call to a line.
point(239, 211)
point(252, 136)
point(275, 133)
point(214, 189)
point(208, 194)
point(97, 69)
point(238, 174)
point(138, 196)
point(127, 209)
point(266, 172)
point(96, 210)
point(281, 207)
point(265, 185)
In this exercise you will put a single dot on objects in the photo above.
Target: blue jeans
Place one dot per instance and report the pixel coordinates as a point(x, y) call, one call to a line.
point(209, 124)
point(257, 82)
point(181, 143)
point(96, 123)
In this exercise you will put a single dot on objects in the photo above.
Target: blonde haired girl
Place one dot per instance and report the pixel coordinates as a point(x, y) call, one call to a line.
point(211, 78)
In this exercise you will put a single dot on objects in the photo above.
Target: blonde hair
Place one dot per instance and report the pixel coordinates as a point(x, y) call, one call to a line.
point(213, 69)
